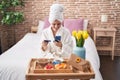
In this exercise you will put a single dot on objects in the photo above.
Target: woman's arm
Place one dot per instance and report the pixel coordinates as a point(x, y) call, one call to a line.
point(44, 46)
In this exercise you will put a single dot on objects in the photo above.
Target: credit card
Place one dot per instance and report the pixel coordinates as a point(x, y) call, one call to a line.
point(47, 40)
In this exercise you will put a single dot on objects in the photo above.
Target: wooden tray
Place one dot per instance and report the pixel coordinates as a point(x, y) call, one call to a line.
point(31, 75)
point(40, 64)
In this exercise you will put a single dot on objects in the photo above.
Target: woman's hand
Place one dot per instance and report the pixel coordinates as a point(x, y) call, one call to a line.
point(44, 45)
point(58, 43)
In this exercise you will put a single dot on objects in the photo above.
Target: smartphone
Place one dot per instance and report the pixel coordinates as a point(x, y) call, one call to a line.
point(47, 40)
point(57, 38)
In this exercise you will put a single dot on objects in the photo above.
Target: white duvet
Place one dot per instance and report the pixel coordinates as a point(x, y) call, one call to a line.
point(14, 62)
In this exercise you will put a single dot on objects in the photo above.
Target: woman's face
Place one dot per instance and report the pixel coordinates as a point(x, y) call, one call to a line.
point(56, 25)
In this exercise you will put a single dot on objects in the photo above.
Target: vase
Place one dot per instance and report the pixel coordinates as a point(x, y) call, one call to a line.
point(80, 51)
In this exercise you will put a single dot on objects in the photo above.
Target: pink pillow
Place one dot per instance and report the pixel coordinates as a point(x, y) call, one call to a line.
point(47, 24)
point(73, 24)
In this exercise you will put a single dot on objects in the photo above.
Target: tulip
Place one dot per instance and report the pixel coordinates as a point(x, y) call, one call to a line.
point(80, 37)
point(74, 33)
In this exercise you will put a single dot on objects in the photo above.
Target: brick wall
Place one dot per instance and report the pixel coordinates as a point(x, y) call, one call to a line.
point(92, 10)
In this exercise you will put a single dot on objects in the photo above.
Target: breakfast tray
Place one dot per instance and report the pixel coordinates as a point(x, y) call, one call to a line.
point(32, 73)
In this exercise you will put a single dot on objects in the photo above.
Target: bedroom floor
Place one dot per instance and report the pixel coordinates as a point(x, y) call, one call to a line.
point(109, 69)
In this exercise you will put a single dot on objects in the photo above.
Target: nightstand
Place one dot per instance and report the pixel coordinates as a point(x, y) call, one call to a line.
point(34, 29)
point(105, 32)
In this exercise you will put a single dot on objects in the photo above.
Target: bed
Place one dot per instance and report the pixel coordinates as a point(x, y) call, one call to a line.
point(14, 62)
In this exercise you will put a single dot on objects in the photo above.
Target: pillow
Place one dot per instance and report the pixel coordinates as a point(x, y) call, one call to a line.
point(73, 24)
point(85, 25)
point(40, 26)
point(46, 23)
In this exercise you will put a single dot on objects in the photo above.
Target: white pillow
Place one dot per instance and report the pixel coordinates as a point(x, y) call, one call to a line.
point(85, 24)
point(40, 26)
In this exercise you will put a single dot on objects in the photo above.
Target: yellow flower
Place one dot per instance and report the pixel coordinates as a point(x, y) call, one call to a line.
point(78, 60)
point(78, 36)
point(74, 33)
point(85, 34)
point(80, 31)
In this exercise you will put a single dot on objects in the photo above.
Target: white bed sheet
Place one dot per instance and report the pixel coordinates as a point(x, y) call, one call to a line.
point(14, 62)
